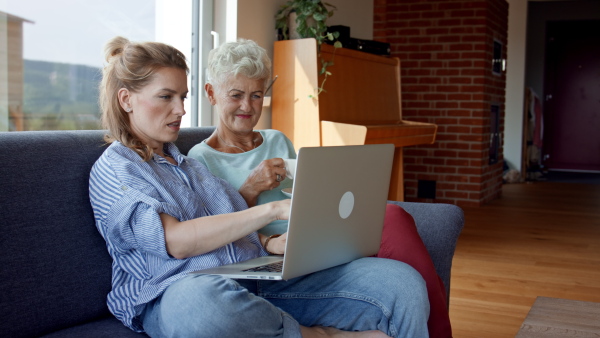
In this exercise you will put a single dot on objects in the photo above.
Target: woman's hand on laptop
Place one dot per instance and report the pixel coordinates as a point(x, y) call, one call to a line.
point(277, 244)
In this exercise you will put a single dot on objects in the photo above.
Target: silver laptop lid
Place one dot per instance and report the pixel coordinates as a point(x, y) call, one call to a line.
point(338, 206)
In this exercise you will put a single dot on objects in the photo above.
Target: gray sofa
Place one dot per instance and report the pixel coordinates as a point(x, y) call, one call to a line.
point(55, 269)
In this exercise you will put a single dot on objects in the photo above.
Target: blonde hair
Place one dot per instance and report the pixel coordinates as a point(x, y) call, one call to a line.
point(131, 66)
point(242, 57)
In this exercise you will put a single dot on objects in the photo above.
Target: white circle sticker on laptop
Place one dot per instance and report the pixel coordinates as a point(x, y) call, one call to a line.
point(346, 204)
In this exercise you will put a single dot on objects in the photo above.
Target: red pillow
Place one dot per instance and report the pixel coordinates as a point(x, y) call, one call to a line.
point(401, 241)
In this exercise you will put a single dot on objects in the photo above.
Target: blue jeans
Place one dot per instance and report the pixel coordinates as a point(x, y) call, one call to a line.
point(366, 294)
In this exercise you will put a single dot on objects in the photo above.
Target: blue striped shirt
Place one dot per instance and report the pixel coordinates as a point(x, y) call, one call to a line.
point(127, 196)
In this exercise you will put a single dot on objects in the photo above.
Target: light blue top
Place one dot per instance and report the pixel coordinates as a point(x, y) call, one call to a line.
point(235, 168)
point(127, 196)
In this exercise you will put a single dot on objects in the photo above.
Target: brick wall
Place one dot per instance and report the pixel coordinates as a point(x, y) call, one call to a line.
point(446, 49)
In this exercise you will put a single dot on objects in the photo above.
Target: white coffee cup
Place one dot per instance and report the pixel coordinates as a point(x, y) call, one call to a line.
point(290, 168)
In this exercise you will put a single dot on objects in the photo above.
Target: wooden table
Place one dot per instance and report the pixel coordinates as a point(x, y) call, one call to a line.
point(555, 317)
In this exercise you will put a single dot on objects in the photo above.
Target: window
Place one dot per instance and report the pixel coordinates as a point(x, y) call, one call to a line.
point(51, 55)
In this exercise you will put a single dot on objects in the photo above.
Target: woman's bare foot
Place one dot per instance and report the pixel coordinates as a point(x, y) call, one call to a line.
point(322, 332)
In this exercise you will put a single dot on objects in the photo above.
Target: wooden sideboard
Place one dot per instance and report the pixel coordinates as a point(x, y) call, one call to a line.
point(361, 103)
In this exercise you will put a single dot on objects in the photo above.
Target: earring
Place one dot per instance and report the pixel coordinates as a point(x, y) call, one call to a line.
point(128, 109)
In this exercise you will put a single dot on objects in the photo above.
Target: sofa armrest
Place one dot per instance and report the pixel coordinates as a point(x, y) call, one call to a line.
point(439, 225)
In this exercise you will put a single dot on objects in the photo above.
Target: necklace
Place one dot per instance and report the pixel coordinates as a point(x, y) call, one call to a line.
point(232, 146)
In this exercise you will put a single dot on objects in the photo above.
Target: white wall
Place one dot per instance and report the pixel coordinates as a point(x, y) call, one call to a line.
point(515, 83)
point(357, 14)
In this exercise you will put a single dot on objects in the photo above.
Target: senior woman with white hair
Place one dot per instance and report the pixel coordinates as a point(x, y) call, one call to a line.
point(252, 161)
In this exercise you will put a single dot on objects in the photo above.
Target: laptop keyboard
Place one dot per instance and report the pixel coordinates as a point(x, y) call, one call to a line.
point(273, 267)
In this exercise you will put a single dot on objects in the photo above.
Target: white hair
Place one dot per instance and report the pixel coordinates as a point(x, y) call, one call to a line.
point(242, 57)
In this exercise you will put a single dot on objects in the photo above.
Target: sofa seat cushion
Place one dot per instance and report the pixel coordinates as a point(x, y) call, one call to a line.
point(103, 328)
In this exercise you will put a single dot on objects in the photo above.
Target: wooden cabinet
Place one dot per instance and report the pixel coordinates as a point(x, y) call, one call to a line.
point(361, 103)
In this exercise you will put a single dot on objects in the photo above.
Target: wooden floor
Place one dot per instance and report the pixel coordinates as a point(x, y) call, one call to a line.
point(539, 239)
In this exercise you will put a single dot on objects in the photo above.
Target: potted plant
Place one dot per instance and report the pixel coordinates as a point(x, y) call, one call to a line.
point(299, 19)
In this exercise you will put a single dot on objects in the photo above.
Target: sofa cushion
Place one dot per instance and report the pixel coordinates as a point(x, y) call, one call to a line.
point(189, 137)
point(56, 270)
point(104, 328)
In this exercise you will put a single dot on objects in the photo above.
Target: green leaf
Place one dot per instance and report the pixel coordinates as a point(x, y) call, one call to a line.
point(337, 44)
point(319, 17)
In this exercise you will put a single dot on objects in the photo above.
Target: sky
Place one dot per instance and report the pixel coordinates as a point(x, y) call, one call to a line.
point(75, 31)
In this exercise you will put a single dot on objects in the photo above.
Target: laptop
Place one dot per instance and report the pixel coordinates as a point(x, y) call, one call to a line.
point(337, 211)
